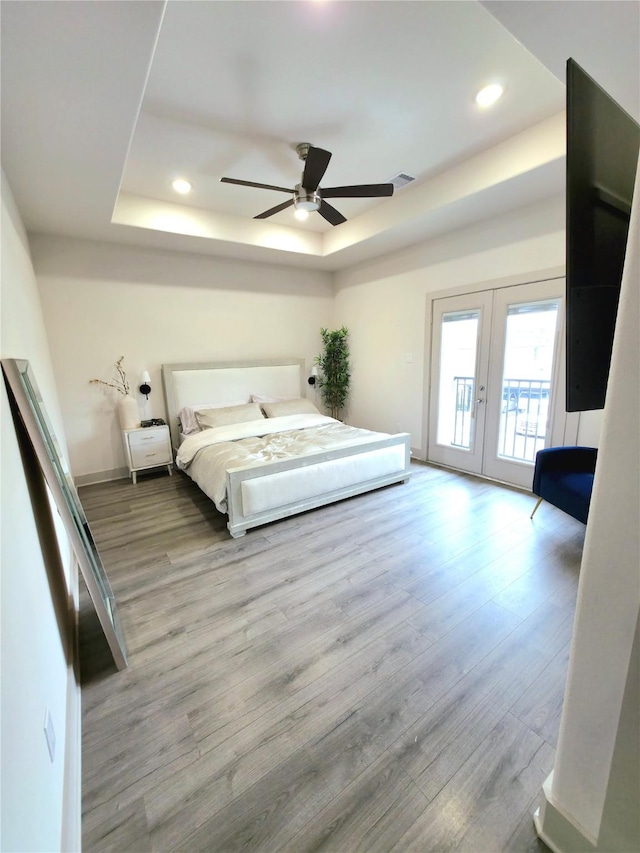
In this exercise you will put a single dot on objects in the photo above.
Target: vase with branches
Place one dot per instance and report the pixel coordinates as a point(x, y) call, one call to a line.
point(128, 413)
point(119, 380)
point(335, 370)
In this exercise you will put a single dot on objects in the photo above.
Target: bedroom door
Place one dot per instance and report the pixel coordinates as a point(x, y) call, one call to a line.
point(497, 380)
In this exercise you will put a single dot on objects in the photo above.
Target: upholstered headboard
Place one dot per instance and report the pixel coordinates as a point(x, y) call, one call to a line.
point(218, 382)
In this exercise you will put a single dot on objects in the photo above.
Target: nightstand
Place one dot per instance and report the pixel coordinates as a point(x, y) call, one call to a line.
point(147, 447)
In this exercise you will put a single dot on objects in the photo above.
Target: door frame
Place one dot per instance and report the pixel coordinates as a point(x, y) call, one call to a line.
point(569, 434)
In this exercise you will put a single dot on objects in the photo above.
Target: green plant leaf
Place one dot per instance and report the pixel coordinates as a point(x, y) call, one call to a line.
point(335, 375)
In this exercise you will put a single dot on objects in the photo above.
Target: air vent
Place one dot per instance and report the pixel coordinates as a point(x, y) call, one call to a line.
point(401, 180)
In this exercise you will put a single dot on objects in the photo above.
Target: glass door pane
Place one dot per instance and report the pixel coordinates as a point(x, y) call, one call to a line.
point(458, 349)
point(523, 408)
point(526, 379)
point(459, 362)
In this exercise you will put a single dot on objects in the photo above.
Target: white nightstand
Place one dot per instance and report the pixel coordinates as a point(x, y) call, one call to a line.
point(147, 447)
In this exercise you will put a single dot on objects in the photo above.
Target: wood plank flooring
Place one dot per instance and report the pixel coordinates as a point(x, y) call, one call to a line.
point(385, 674)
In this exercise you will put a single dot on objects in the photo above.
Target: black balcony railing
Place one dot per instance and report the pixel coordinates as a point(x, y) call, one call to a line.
point(522, 435)
point(464, 411)
point(523, 421)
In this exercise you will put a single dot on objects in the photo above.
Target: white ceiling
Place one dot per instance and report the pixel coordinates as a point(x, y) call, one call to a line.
point(104, 103)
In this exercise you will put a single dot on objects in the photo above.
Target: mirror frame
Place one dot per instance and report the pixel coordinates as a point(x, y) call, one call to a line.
point(22, 386)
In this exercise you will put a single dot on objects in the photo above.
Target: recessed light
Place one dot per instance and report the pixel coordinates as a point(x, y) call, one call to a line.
point(489, 95)
point(301, 214)
point(181, 186)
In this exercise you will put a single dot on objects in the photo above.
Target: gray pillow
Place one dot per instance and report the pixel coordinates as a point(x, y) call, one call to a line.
point(210, 418)
point(299, 406)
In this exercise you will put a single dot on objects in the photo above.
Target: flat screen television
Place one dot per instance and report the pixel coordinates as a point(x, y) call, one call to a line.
point(602, 156)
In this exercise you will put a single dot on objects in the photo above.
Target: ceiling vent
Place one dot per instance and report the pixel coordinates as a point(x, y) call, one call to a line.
point(401, 180)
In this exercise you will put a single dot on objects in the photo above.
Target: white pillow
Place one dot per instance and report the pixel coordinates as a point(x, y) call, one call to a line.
point(210, 418)
point(187, 415)
point(297, 406)
point(258, 398)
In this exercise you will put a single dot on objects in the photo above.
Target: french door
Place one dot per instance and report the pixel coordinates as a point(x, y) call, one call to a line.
point(497, 380)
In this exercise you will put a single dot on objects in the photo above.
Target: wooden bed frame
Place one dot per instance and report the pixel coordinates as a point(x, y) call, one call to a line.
point(336, 474)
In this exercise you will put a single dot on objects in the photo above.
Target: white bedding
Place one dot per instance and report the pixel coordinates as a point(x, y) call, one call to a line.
point(207, 456)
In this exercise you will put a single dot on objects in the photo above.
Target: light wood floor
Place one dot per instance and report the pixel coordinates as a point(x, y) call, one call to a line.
point(385, 674)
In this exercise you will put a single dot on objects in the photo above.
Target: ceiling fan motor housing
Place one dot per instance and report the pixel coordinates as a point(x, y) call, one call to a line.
point(305, 199)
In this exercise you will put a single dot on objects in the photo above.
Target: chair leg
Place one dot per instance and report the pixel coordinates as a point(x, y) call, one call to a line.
point(536, 507)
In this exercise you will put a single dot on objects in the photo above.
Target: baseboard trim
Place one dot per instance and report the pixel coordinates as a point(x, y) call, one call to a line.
point(101, 476)
point(542, 835)
point(559, 832)
point(525, 489)
point(71, 831)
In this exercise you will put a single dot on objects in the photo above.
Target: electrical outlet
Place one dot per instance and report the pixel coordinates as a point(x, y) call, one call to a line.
point(50, 734)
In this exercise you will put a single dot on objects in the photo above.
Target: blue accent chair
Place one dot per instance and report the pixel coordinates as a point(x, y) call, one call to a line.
point(563, 476)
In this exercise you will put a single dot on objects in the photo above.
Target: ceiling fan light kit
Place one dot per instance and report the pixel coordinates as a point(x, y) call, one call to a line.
point(307, 195)
point(304, 200)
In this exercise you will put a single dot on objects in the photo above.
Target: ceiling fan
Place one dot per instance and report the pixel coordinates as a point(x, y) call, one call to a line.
point(307, 195)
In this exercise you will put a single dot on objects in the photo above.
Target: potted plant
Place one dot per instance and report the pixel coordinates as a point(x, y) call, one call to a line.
point(335, 375)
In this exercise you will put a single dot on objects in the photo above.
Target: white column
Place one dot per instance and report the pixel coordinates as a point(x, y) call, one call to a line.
point(591, 800)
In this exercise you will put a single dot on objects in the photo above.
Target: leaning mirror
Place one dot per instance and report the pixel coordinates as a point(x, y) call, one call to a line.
point(23, 387)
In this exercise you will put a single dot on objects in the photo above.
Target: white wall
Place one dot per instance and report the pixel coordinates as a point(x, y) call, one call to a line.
point(384, 304)
point(35, 671)
point(590, 428)
point(102, 301)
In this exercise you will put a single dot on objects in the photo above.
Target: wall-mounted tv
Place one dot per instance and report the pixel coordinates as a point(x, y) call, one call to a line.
point(602, 156)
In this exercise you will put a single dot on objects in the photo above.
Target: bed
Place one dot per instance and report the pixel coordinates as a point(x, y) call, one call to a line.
point(246, 433)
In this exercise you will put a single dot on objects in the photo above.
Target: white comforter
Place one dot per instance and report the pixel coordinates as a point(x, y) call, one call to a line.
point(207, 456)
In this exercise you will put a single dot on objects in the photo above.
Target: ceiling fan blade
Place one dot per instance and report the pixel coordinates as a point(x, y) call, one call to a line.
point(253, 184)
point(331, 214)
point(360, 191)
point(315, 166)
point(275, 209)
